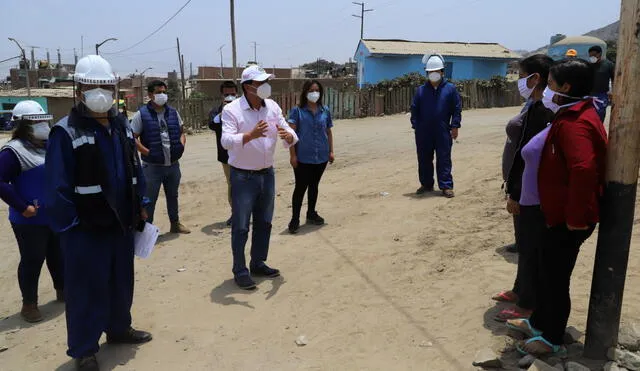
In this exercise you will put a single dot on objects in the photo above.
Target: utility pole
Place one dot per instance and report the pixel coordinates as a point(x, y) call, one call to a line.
point(75, 57)
point(190, 70)
point(26, 65)
point(33, 58)
point(221, 64)
point(361, 16)
point(49, 59)
point(59, 59)
point(184, 85)
point(618, 204)
point(181, 63)
point(255, 52)
point(233, 41)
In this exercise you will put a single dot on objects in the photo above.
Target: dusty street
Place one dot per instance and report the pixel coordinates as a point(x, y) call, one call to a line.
point(392, 282)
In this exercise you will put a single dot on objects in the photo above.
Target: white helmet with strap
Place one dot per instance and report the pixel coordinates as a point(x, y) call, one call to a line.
point(433, 62)
point(29, 110)
point(94, 70)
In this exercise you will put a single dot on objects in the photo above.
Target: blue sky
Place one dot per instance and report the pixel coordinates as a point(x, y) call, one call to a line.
point(288, 32)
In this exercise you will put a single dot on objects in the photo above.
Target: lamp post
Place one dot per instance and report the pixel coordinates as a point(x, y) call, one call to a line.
point(142, 83)
point(26, 67)
point(100, 44)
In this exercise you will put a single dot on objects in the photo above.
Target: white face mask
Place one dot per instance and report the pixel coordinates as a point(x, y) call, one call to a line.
point(547, 100)
point(160, 99)
point(264, 91)
point(435, 76)
point(41, 130)
point(98, 100)
point(313, 96)
point(525, 90)
point(229, 98)
point(593, 59)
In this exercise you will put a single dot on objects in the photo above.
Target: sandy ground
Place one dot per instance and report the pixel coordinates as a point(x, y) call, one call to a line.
point(392, 282)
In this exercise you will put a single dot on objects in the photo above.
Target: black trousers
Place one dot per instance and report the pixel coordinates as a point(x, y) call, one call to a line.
point(37, 243)
point(307, 178)
point(530, 232)
point(557, 258)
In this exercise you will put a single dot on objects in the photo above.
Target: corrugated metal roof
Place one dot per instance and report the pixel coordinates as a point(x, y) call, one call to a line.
point(47, 93)
point(580, 40)
point(451, 49)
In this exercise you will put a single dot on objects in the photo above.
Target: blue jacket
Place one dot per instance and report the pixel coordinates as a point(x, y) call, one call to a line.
point(29, 184)
point(92, 176)
point(436, 109)
point(150, 136)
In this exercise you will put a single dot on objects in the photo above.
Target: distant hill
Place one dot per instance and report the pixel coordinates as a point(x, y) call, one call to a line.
point(607, 33)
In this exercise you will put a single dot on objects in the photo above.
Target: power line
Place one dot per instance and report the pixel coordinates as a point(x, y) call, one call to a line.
point(155, 31)
point(143, 53)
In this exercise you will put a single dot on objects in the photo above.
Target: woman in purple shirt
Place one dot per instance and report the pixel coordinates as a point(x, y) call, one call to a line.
point(534, 72)
point(22, 187)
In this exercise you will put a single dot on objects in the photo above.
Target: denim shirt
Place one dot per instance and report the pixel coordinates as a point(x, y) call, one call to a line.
point(313, 147)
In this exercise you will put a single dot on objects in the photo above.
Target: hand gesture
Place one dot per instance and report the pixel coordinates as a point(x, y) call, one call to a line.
point(260, 130)
point(285, 135)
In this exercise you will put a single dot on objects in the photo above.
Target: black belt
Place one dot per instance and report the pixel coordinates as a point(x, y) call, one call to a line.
point(261, 171)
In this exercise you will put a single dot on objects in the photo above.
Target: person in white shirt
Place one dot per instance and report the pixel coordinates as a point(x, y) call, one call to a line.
point(251, 126)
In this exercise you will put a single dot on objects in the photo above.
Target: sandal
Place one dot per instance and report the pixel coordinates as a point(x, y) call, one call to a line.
point(522, 325)
point(551, 350)
point(506, 297)
point(512, 313)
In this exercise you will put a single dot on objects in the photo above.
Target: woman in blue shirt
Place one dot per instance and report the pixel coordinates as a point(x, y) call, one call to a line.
point(22, 187)
point(312, 122)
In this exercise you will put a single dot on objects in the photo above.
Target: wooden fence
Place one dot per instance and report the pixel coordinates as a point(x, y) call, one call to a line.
point(365, 103)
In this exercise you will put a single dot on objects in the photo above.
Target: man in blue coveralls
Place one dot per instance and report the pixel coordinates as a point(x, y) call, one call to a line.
point(95, 187)
point(436, 113)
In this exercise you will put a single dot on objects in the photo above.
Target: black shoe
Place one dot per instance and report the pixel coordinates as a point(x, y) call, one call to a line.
point(245, 282)
point(60, 296)
point(229, 222)
point(314, 218)
point(513, 248)
point(265, 271)
point(87, 364)
point(422, 190)
point(294, 225)
point(131, 336)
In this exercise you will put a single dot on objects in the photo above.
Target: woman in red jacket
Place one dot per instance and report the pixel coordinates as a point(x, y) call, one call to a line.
point(570, 184)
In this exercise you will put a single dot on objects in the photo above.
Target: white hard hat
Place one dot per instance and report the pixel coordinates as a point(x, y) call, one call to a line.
point(433, 62)
point(94, 70)
point(29, 110)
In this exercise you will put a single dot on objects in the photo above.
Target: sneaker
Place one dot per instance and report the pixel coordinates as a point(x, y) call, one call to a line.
point(448, 193)
point(31, 313)
point(245, 282)
point(294, 225)
point(314, 218)
point(179, 228)
point(87, 364)
point(422, 190)
point(265, 271)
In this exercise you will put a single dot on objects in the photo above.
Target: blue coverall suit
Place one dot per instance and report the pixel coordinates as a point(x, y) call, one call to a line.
point(98, 253)
point(434, 112)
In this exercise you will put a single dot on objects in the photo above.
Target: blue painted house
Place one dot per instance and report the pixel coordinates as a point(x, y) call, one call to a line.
point(387, 59)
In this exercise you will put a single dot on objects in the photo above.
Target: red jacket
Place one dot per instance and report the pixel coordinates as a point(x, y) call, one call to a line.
point(572, 168)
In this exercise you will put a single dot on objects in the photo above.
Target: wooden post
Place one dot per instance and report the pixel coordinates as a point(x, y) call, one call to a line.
point(618, 205)
point(232, 15)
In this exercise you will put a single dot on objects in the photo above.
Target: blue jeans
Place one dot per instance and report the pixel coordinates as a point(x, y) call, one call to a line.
point(169, 178)
point(253, 193)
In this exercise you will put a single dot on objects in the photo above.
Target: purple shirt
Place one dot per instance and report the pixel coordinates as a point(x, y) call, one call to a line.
point(9, 171)
point(531, 153)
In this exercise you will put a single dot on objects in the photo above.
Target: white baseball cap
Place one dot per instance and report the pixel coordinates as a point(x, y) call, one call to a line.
point(255, 73)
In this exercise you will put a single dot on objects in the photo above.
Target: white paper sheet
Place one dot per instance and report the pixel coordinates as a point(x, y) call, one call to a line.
point(146, 240)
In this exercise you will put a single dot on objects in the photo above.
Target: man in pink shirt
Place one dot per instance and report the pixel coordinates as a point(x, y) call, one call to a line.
point(251, 127)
